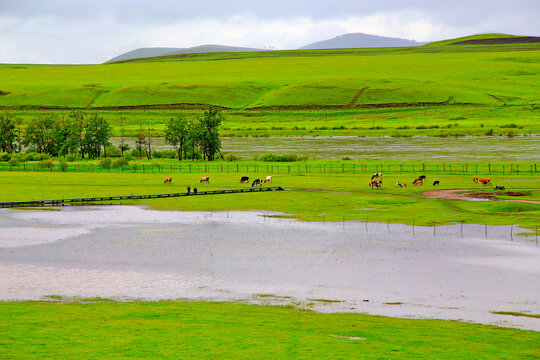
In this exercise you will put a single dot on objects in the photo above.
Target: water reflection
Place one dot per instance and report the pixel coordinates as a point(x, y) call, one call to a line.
point(128, 252)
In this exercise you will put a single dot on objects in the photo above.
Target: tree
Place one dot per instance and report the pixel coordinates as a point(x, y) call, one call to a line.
point(40, 134)
point(8, 133)
point(97, 135)
point(210, 122)
point(176, 134)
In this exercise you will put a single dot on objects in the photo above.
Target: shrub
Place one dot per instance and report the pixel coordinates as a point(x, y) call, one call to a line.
point(509, 126)
point(46, 163)
point(404, 127)
point(127, 156)
point(346, 158)
point(489, 132)
point(121, 162)
point(231, 157)
point(105, 163)
point(281, 157)
point(113, 151)
point(70, 157)
point(4, 156)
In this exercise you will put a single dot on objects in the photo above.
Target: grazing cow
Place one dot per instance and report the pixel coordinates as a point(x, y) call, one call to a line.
point(404, 184)
point(376, 176)
point(418, 182)
point(422, 177)
point(268, 178)
point(498, 187)
point(244, 179)
point(485, 181)
point(167, 180)
point(205, 179)
point(398, 185)
point(436, 182)
point(375, 184)
point(257, 182)
point(475, 179)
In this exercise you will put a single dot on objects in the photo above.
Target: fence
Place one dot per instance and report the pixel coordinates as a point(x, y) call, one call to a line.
point(444, 169)
point(62, 202)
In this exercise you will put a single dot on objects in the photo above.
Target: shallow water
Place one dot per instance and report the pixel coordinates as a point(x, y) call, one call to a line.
point(359, 148)
point(124, 253)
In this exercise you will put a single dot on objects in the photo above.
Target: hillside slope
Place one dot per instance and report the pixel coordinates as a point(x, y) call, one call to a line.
point(431, 74)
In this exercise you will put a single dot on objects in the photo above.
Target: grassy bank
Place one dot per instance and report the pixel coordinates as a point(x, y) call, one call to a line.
point(441, 121)
point(97, 330)
point(334, 196)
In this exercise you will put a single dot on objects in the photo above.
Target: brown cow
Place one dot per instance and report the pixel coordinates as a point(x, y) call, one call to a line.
point(418, 182)
point(167, 180)
point(485, 181)
point(205, 179)
point(375, 184)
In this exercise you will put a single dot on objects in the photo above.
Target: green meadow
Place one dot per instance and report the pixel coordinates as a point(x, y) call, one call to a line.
point(97, 329)
point(440, 89)
point(311, 196)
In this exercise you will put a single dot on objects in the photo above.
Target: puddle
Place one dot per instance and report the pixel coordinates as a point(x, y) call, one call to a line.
point(124, 253)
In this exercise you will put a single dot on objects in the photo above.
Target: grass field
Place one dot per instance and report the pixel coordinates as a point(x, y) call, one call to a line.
point(97, 329)
point(336, 196)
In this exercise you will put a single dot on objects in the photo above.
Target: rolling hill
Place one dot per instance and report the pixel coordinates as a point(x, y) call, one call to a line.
point(439, 74)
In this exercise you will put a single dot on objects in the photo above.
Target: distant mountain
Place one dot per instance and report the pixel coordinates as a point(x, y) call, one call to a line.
point(359, 40)
point(144, 53)
point(158, 51)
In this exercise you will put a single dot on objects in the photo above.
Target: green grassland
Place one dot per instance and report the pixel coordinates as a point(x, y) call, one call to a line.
point(179, 330)
point(313, 196)
point(462, 89)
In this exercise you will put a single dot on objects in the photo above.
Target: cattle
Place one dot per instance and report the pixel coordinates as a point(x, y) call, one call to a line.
point(422, 177)
point(257, 182)
point(376, 176)
point(485, 181)
point(398, 185)
point(418, 182)
point(268, 179)
point(436, 182)
point(244, 179)
point(375, 184)
point(498, 187)
point(168, 180)
point(475, 179)
point(205, 179)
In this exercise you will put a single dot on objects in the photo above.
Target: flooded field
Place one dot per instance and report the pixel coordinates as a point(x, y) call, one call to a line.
point(126, 253)
point(357, 148)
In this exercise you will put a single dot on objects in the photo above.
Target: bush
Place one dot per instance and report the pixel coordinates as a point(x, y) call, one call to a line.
point(70, 157)
point(509, 126)
point(121, 162)
point(46, 163)
point(346, 158)
point(105, 163)
point(113, 151)
point(127, 156)
point(489, 132)
point(281, 157)
point(4, 156)
point(231, 157)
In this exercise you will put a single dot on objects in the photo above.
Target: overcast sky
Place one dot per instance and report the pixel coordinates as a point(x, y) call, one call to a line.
point(93, 31)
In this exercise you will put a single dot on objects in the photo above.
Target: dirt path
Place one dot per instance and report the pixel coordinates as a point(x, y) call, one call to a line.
point(469, 194)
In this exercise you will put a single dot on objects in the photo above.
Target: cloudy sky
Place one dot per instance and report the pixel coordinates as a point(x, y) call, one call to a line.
point(93, 31)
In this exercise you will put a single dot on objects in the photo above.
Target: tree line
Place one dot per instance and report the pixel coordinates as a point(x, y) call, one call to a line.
point(88, 135)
